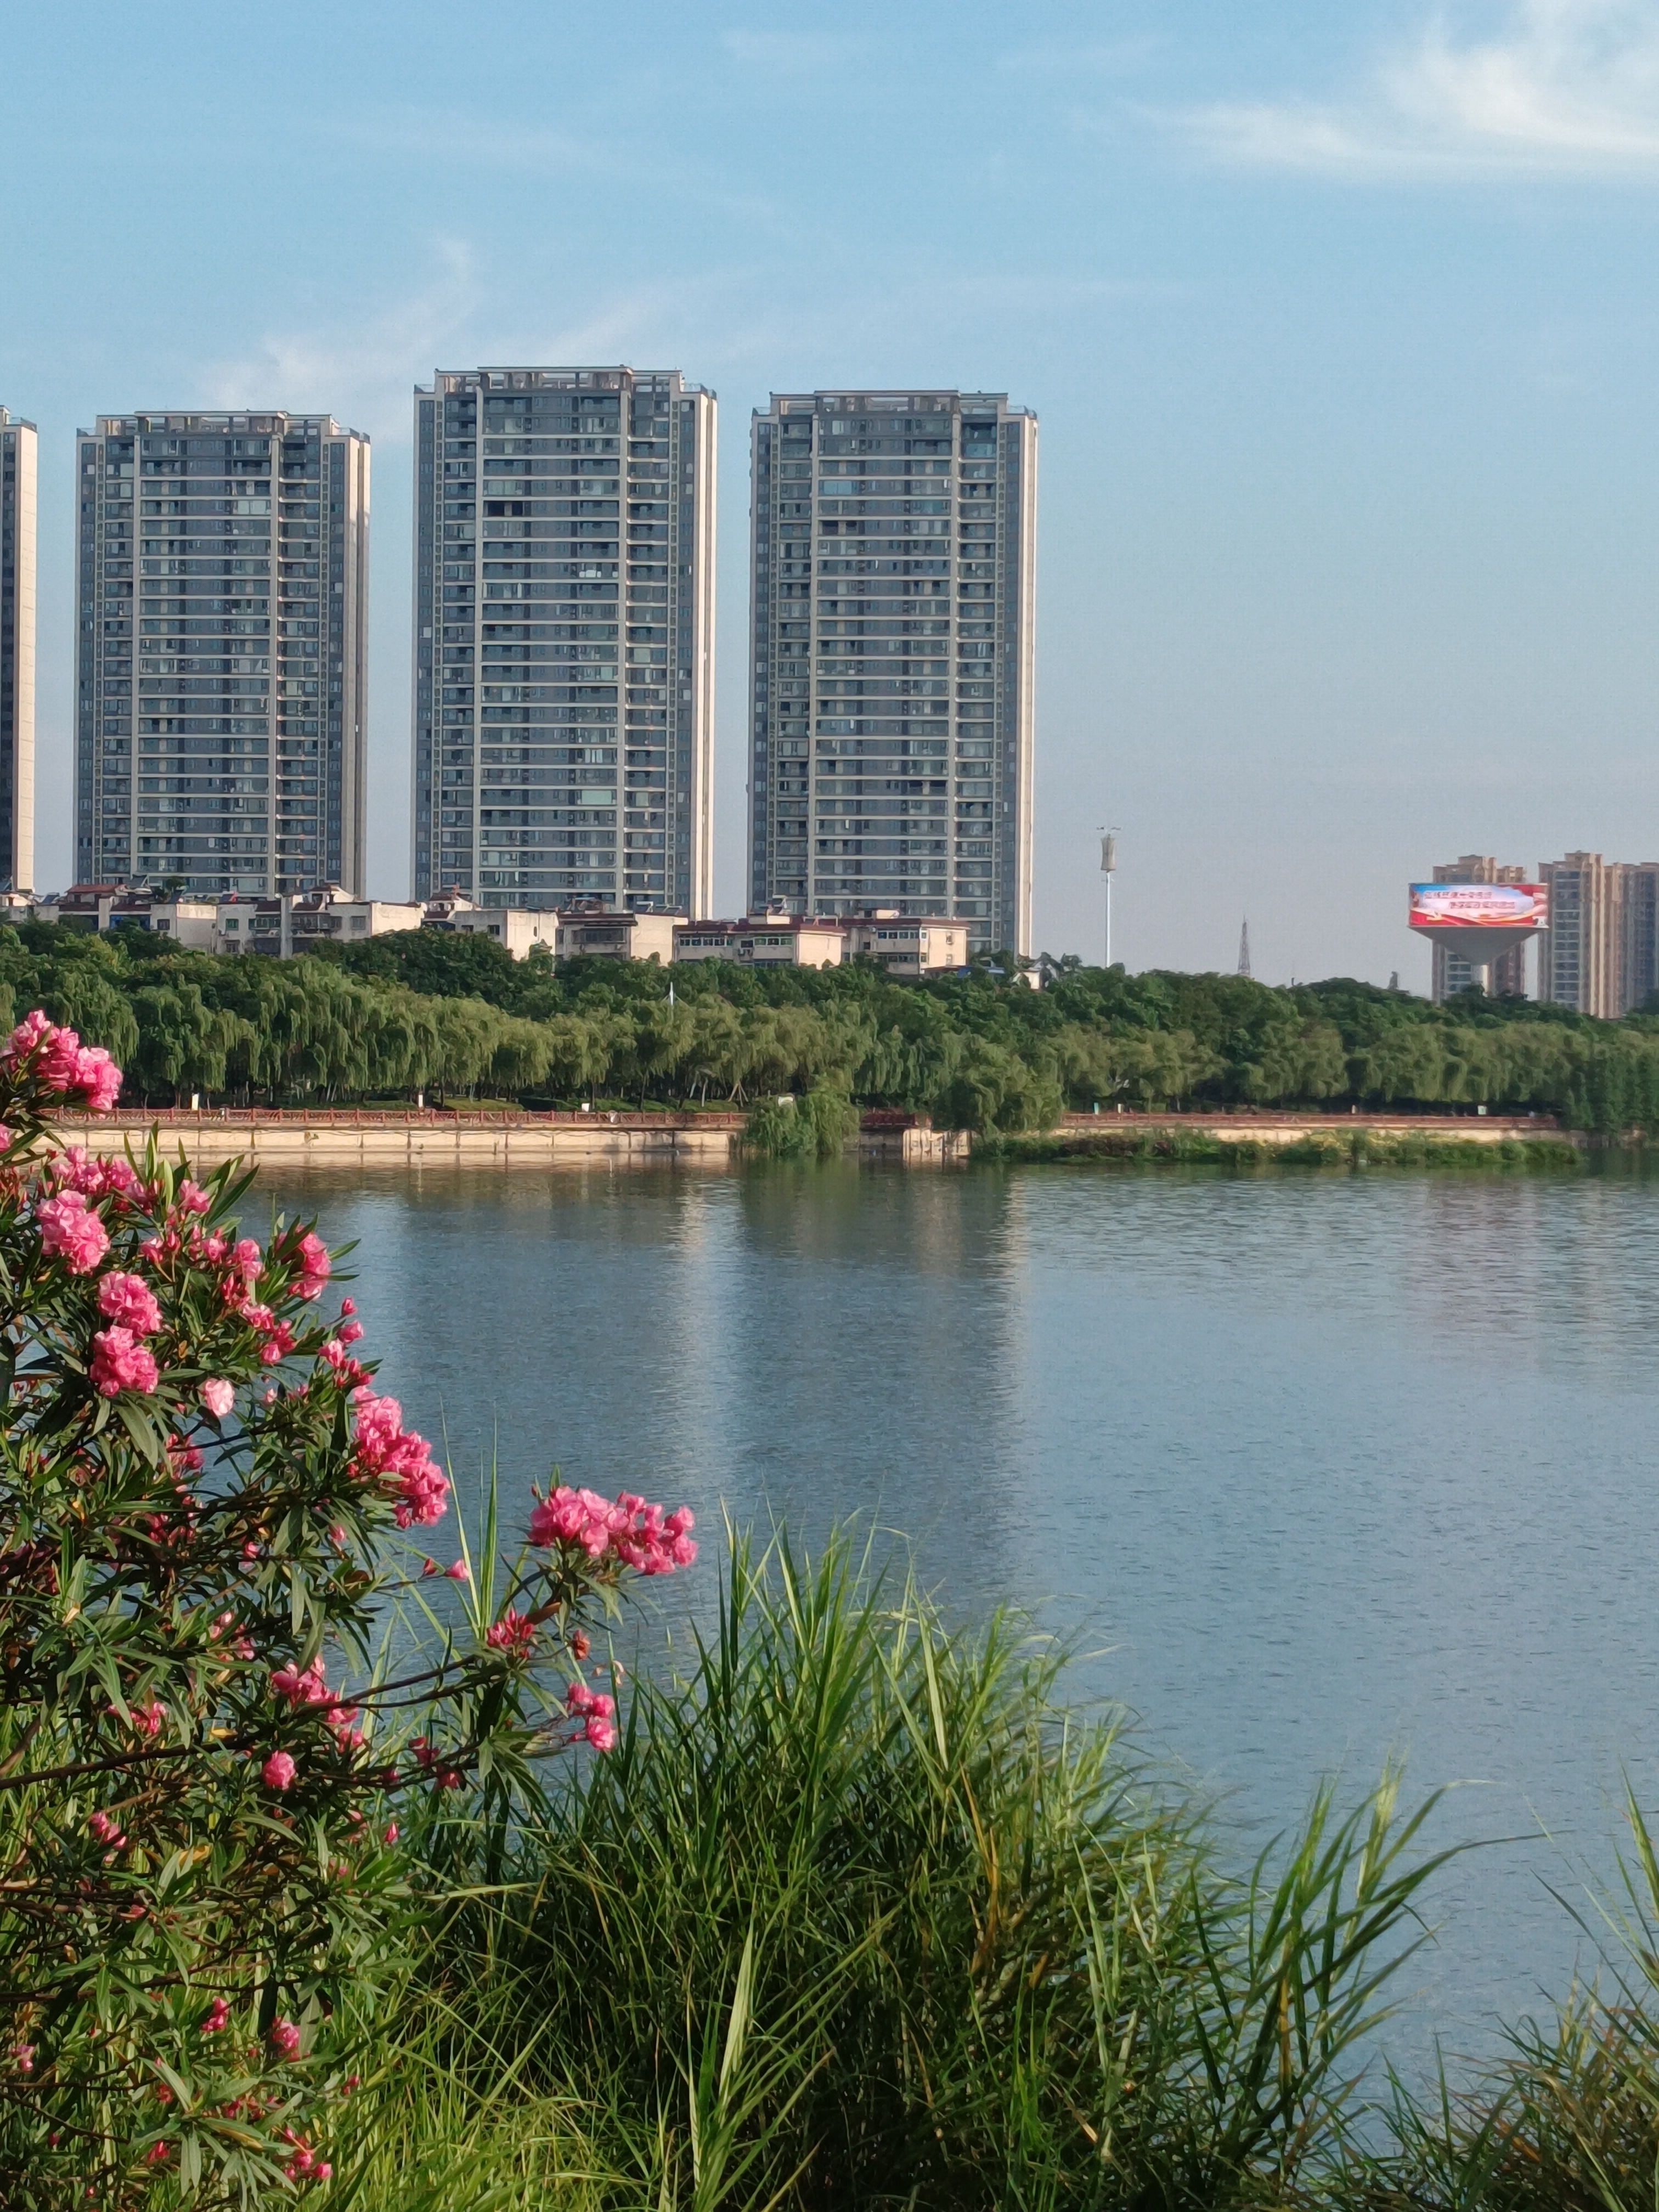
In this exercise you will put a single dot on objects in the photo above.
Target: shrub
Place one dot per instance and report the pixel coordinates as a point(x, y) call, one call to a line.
point(200, 1496)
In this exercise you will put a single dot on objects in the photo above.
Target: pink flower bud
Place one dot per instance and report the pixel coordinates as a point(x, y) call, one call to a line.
point(218, 1396)
point(278, 1770)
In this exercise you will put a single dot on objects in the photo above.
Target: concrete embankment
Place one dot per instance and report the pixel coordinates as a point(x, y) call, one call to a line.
point(365, 1139)
point(343, 1138)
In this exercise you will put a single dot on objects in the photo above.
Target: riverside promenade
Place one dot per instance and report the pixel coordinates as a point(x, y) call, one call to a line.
point(368, 1137)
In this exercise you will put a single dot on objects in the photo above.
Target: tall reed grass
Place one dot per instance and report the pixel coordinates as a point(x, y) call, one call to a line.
point(859, 1916)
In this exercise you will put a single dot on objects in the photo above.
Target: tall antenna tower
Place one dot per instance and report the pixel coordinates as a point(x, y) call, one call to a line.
point(1244, 948)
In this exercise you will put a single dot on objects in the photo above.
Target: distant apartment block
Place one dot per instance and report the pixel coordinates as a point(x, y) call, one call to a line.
point(564, 637)
point(1639, 935)
point(18, 449)
point(221, 567)
point(893, 556)
point(1579, 958)
point(1506, 975)
point(1601, 952)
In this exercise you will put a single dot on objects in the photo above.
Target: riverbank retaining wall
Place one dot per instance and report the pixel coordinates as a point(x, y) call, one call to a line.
point(350, 1137)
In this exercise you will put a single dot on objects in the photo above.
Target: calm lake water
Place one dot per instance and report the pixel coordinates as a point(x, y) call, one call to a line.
point(1321, 1466)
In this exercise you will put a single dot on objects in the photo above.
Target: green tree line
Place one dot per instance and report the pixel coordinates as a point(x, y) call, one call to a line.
point(455, 1017)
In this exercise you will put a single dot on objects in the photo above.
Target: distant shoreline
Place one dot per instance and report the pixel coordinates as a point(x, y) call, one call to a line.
point(370, 1137)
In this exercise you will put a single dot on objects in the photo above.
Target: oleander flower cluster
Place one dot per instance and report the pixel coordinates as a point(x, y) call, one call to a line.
point(615, 1532)
point(202, 1505)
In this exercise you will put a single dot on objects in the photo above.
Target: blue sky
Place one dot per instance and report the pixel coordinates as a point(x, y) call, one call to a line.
point(1340, 323)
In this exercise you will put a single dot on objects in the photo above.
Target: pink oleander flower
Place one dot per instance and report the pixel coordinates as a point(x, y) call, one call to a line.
point(106, 1831)
point(314, 1265)
point(514, 1632)
point(279, 1772)
point(63, 1062)
point(301, 1689)
point(284, 2036)
point(190, 1197)
point(350, 1331)
point(27, 1035)
point(626, 1529)
point(121, 1363)
point(389, 1453)
point(147, 1719)
point(58, 1060)
point(69, 1229)
point(24, 2054)
point(589, 1705)
point(218, 1396)
point(98, 1077)
point(130, 1300)
point(596, 1712)
point(459, 1571)
point(218, 2015)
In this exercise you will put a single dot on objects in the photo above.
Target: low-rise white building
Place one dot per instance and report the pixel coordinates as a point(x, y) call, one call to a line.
point(907, 944)
point(615, 933)
point(589, 931)
point(764, 940)
point(187, 921)
point(296, 923)
point(516, 927)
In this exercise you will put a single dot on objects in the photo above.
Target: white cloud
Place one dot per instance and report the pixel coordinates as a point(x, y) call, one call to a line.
point(1564, 88)
point(359, 369)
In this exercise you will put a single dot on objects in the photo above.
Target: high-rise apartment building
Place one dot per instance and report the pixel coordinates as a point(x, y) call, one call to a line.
point(221, 564)
point(1506, 972)
point(893, 561)
point(1579, 955)
point(1640, 935)
point(17, 549)
point(564, 637)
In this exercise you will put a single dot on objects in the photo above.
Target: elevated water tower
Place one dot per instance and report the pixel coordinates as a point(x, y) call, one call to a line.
point(1478, 920)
